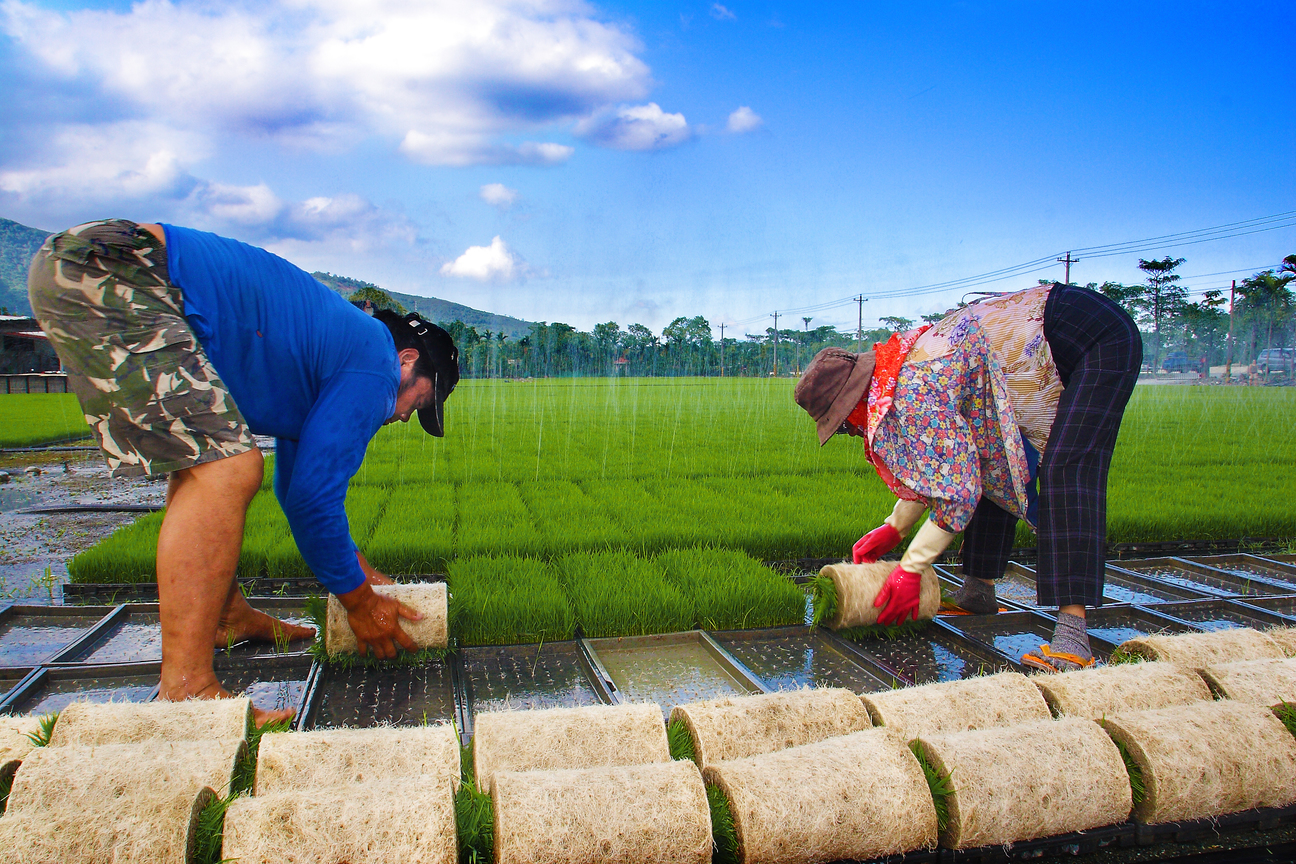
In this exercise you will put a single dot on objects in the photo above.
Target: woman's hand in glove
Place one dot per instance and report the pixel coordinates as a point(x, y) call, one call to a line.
point(899, 596)
point(875, 544)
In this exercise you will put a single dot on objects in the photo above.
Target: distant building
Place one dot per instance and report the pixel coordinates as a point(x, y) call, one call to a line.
point(24, 347)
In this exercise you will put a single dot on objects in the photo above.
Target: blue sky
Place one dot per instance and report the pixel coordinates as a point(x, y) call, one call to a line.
point(640, 161)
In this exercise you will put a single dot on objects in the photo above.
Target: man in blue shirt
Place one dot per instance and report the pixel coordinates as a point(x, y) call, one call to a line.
point(180, 345)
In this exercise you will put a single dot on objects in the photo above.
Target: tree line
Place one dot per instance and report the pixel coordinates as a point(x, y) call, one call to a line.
point(1263, 315)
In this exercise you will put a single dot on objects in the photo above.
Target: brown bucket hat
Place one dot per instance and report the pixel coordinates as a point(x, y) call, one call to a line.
point(832, 385)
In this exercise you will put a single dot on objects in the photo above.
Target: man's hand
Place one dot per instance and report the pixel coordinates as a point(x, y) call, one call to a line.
point(372, 576)
point(899, 595)
point(875, 544)
point(375, 620)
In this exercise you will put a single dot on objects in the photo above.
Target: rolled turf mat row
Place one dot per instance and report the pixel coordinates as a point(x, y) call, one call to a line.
point(1285, 637)
point(739, 726)
point(858, 586)
point(1260, 682)
point(987, 701)
point(859, 796)
point(410, 820)
point(636, 814)
point(89, 724)
point(1099, 691)
point(114, 802)
point(1033, 780)
point(427, 598)
point(1207, 759)
point(14, 740)
point(298, 761)
point(1199, 650)
point(595, 736)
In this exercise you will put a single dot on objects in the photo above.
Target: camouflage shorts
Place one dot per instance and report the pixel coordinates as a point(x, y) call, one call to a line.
point(152, 398)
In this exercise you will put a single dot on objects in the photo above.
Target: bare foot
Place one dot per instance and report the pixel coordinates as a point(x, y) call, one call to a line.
point(213, 690)
point(239, 622)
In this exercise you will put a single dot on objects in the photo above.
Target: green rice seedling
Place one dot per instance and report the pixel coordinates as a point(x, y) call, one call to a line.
point(1138, 790)
point(724, 839)
point(1120, 655)
point(939, 784)
point(883, 631)
point(209, 833)
point(416, 531)
point(494, 521)
point(500, 601)
point(6, 784)
point(264, 528)
point(31, 419)
point(474, 816)
point(365, 506)
point(731, 590)
point(823, 598)
point(1286, 712)
point(45, 731)
point(129, 554)
point(618, 594)
point(680, 740)
point(245, 772)
point(555, 506)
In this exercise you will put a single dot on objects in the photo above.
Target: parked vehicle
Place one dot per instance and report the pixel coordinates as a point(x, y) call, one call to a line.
point(1276, 360)
point(1176, 361)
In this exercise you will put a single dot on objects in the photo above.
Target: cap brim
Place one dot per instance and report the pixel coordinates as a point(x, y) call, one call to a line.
point(432, 418)
point(853, 391)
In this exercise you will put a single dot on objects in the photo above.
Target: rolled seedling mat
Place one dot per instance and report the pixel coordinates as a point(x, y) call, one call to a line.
point(429, 599)
point(857, 797)
point(635, 814)
point(1207, 759)
point(89, 724)
point(300, 761)
point(594, 736)
point(1285, 637)
point(410, 820)
point(858, 586)
point(740, 726)
point(984, 702)
point(1098, 691)
point(1024, 782)
point(14, 740)
point(1260, 682)
point(1199, 650)
point(115, 802)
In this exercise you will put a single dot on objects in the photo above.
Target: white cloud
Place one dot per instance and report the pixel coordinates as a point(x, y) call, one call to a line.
point(493, 263)
point(498, 195)
point(636, 127)
point(720, 13)
point(447, 79)
point(744, 119)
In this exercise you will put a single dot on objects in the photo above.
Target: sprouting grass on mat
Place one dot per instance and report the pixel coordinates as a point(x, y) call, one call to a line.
point(680, 741)
point(44, 731)
point(507, 600)
point(724, 839)
point(1137, 790)
point(316, 609)
point(618, 594)
point(474, 816)
point(730, 590)
point(1120, 655)
point(939, 784)
point(209, 834)
point(1286, 712)
point(823, 596)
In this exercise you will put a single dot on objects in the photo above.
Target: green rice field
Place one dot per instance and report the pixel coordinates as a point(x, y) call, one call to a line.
point(27, 420)
point(616, 476)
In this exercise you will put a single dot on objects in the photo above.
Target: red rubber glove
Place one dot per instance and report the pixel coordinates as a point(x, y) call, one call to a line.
point(899, 595)
point(875, 544)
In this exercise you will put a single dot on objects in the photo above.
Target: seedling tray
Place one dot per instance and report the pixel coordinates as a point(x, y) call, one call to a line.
point(368, 696)
point(1284, 606)
point(788, 658)
point(1016, 590)
point(30, 635)
point(669, 669)
point(53, 689)
point(11, 678)
point(1199, 577)
point(1252, 566)
point(272, 683)
point(513, 677)
point(1221, 615)
point(129, 634)
point(933, 654)
point(1124, 586)
point(1115, 624)
point(1010, 634)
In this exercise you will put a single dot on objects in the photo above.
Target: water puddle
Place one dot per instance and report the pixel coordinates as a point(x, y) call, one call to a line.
point(525, 677)
point(794, 660)
point(666, 672)
point(367, 697)
point(29, 640)
point(12, 499)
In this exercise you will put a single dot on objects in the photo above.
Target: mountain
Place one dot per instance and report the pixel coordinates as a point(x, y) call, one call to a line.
point(432, 308)
point(18, 244)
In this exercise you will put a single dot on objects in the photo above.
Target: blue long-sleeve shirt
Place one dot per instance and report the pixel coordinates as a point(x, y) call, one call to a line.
point(303, 365)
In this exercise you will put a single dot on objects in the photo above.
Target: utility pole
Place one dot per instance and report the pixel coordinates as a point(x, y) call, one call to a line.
point(1228, 364)
point(722, 350)
point(859, 332)
point(775, 316)
point(1068, 260)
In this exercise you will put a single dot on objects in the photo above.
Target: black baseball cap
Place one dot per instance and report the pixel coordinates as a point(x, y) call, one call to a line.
point(436, 345)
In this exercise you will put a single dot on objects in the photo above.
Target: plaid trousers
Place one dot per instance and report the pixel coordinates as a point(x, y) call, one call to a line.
point(1098, 351)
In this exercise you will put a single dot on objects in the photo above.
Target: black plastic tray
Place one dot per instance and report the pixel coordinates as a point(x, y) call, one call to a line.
point(1112, 625)
point(1222, 615)
point(1202, 578)
point(787, 658)
point(32, 635)
point(1011, 634)
point(51, 689)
